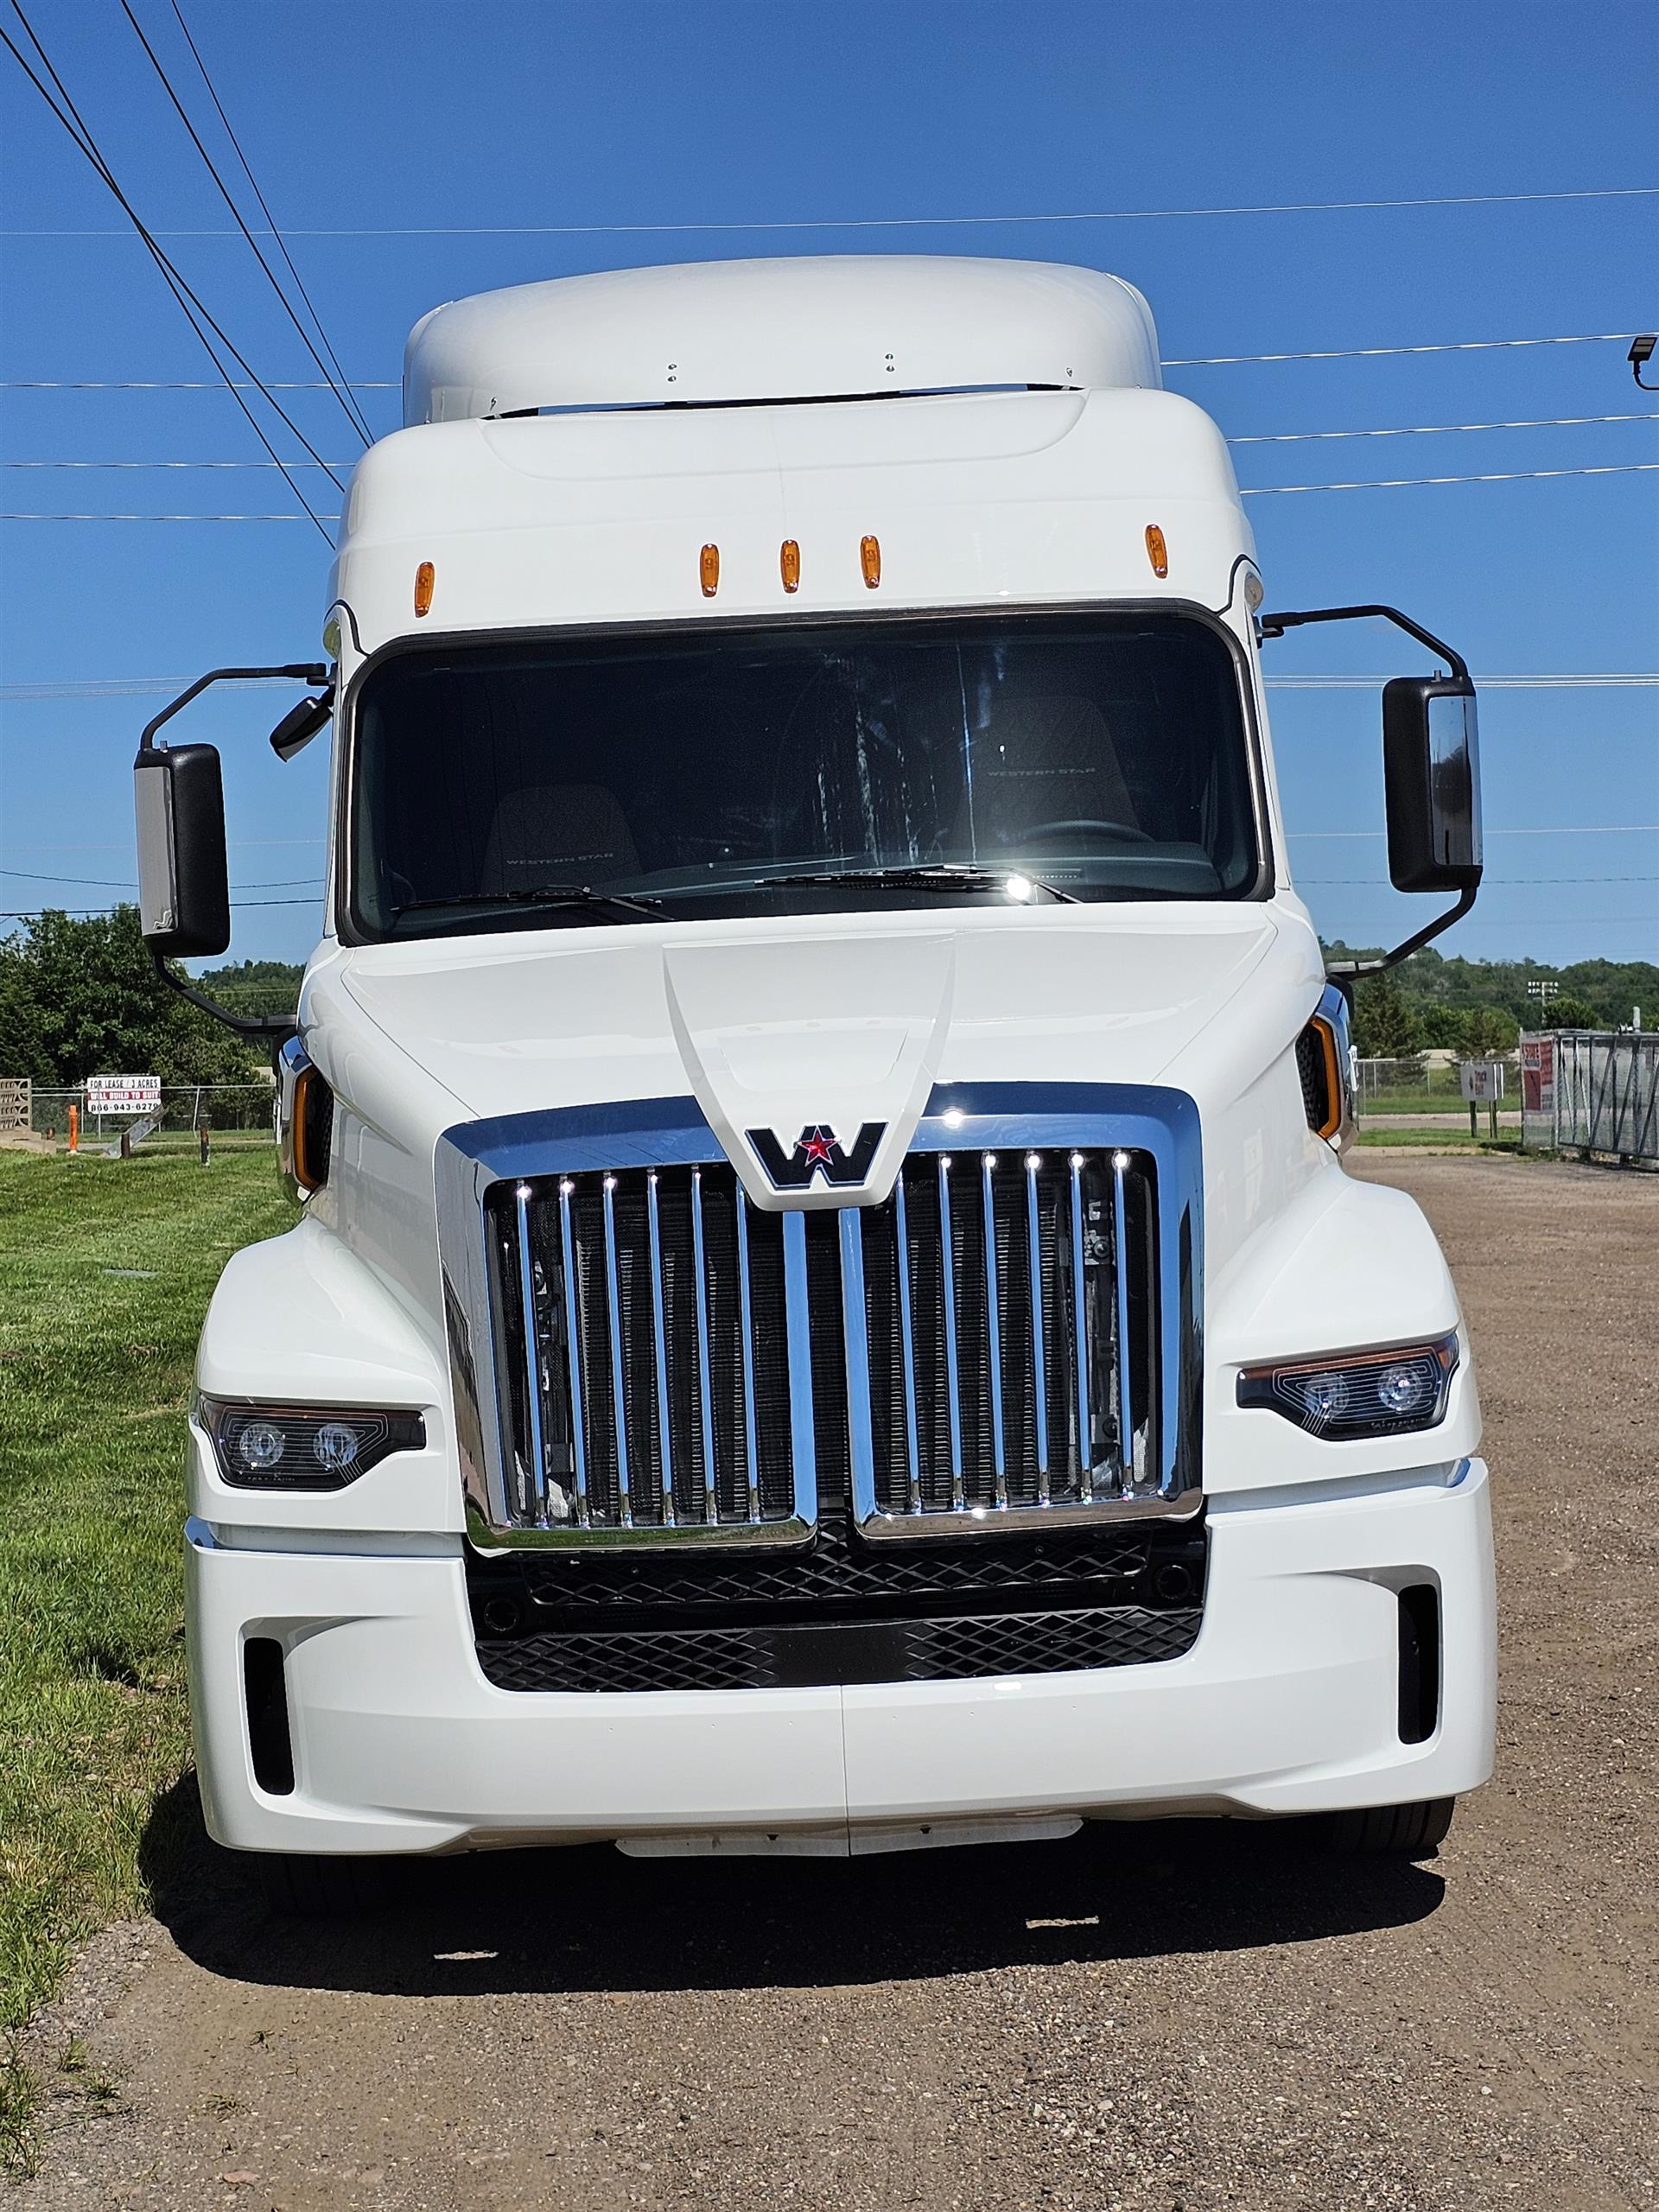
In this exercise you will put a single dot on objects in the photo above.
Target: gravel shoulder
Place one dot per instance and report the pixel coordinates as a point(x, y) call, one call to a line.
point(1147, 2018)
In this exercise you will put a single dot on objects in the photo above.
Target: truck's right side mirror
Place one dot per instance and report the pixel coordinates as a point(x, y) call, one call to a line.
point(184, 900)
point(1431, 771)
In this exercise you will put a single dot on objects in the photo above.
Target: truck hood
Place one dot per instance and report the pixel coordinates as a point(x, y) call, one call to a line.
point(842, 1021)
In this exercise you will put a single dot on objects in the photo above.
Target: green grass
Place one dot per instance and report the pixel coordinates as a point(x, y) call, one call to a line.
point(1446, 1139)
point(95, 1370)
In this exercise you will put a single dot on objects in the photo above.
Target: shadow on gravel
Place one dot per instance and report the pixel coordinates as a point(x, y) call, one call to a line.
point(507, 1922)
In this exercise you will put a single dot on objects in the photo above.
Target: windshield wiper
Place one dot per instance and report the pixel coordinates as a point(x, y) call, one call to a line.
point(541, 894)
point(1014, 883)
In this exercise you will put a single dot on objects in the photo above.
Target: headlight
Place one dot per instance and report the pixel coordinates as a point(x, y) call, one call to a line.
point(1357, 1393)
point(309, 1447)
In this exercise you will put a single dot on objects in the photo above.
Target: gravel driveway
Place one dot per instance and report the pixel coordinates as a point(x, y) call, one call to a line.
point(1148, 2017)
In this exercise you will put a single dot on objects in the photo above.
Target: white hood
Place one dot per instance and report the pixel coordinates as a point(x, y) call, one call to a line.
point(834, 1020)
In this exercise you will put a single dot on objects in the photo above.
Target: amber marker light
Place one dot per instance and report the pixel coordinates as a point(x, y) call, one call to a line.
point(708, 570)
point(869, 559)
point(789, 563)
point(425, 576)
point(1157, 551)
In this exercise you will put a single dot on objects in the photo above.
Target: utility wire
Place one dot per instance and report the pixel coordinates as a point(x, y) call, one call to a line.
point(904, 222)
point(1260, 438)
point(1193, 362)
point(1247, 491)
point(360, 429)
point(181, 291)
point(338, 374)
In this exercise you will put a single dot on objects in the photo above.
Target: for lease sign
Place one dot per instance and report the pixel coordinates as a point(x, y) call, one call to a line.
point(124, 1094)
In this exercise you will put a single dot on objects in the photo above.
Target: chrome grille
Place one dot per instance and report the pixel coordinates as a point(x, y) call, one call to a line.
point(1009, 1342)
point(643, 1353)
point(1001, 1308)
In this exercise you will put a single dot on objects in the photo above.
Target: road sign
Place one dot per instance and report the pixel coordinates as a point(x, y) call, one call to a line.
point(124, 1094)
point(1482, 1080)
point(1538, 1075)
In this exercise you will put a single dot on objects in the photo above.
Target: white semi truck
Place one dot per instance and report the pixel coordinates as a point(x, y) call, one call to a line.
point(827, 1314)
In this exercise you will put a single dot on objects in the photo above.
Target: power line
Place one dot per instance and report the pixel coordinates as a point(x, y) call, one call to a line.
point(339, 374)
point(1246, 492)
point(188, 300)
point(1260, 438)
point(125, 883)
point(1496, 476)
point(1194, 361)
point(900, 222)
point(1556, 829)
point(362, 428)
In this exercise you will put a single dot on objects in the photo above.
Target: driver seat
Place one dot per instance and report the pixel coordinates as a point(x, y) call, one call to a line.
point(1041, 759)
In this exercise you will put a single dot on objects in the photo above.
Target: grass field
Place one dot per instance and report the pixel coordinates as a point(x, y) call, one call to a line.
point(105, 1271)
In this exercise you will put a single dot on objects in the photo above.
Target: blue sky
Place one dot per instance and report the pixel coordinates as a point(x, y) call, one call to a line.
point(417, 153)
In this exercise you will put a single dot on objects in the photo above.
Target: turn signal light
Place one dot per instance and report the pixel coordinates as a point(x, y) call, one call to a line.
point(789, 562)
point(870, 560)
point(1157, 551)
point(708, 570)
point(425, 576)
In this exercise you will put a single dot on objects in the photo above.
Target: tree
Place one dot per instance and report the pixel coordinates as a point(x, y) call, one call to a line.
point(81, 993)
point(1385, 1028)
point(23, 1036)
point(1489, 1033)
point(1567, 1011)
point(1444, 1028)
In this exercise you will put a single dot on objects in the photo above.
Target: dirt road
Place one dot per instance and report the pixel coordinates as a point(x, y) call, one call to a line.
point(1148, 2018)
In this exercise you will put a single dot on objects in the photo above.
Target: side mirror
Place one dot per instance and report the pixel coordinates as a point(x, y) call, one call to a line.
point(184, 900)
point(1431, 772)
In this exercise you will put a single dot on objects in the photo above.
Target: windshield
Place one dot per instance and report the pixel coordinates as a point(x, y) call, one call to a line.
point(558, 783)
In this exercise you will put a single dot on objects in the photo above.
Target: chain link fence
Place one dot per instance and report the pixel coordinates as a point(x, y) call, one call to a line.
point(248, 1108)
point(1595, 1092)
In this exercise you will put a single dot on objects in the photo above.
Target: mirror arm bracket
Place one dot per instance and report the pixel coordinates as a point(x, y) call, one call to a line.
point(1345, 970)
point(1274, 626)
point(271, 1029)
point(296, 672)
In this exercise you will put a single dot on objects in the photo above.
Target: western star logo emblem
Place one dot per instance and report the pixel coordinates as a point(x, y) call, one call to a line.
point(818, 1152)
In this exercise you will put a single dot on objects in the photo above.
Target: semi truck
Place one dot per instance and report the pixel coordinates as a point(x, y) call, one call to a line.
point(827, 1314)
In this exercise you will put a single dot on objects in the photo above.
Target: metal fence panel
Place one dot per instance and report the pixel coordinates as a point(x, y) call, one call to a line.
point(1607, 1094)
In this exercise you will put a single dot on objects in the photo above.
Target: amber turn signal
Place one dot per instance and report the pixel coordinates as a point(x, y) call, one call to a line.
point(708, 570)
point(1157, 551)
point(869, 559)
point(425, 577)
point(789, 563)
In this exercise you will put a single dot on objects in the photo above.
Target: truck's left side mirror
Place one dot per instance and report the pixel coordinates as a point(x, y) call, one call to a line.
point(1431, 770)
point(184, 900)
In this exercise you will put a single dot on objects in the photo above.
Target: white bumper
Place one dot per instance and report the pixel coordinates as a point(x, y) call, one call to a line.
point(1287, 1703)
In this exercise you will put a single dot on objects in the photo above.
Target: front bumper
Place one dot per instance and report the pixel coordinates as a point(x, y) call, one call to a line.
point(1287, 1703)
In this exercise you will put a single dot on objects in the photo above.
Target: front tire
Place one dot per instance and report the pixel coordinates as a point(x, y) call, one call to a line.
point(1394, 1831)
point(298, 1886)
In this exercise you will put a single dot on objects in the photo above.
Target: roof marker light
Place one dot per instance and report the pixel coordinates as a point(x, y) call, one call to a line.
point(425, 576)
point(708, 570)
point(1157, 551)
point(789, 563)
point(869, 559)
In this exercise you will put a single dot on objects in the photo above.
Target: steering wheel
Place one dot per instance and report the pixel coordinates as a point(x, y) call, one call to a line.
point(1085, 826)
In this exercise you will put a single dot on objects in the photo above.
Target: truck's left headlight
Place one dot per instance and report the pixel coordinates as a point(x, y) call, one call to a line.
point(1357, 1393)
point(303, 1447)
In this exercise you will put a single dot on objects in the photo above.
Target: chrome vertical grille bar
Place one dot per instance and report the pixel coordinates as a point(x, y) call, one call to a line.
point(948, 1264)
point(747, 1334)
point(993, 1330)
point(705, 1401)
point(618, 1401)
point(1121, 1272)
point(1039, 1348)
point(573, 1348)
point(659, 1336)
point(532, 1359)
point(860, 1445)
point(1080, 1335)
point(906, 1348)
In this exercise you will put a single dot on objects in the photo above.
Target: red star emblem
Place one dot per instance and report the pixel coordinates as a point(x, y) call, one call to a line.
point(815, 1148)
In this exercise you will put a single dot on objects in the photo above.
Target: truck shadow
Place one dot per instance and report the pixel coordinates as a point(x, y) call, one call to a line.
point(588, 1919)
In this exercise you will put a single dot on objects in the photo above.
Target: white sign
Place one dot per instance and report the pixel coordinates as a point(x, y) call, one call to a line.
point(1483, 1081)
point(124, 1094)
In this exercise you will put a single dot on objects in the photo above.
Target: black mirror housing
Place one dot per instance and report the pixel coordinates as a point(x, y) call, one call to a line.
point(1431, 772)
point(300, 725)
point(184, 900)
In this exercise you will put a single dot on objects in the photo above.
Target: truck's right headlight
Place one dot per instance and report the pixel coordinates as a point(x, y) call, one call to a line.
point(1358, 1393)
point(303, 1447)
